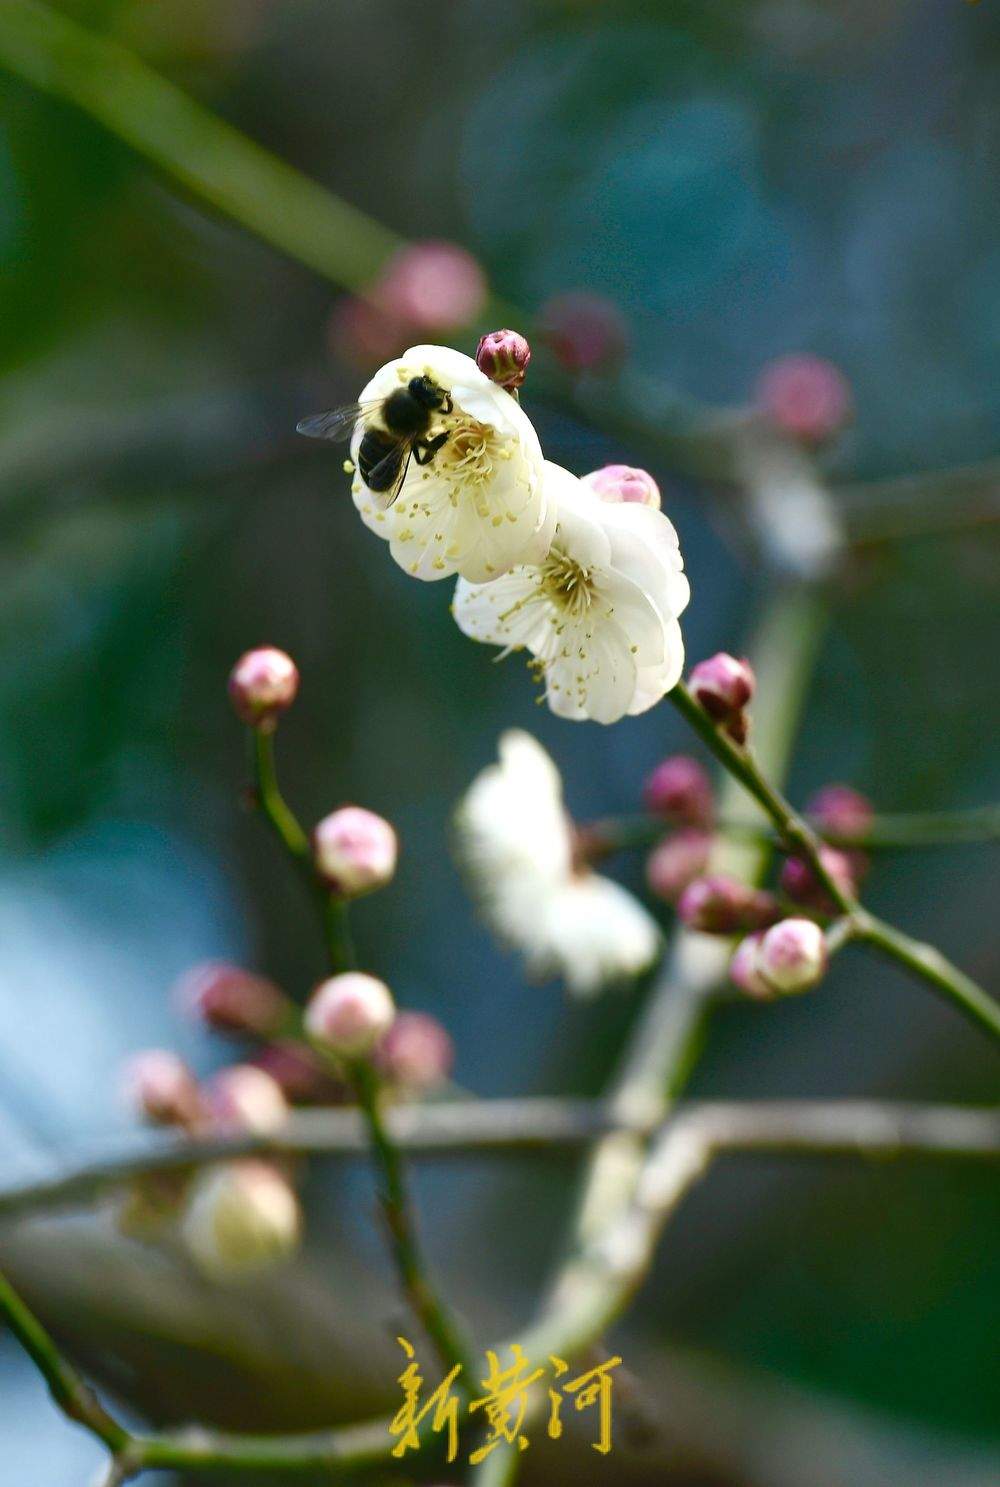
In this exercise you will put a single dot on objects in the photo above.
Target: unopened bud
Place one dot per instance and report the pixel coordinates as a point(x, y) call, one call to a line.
point(503, 357)
point(840, 810)
point(262, 685)
point(416, 1053)
point(161, 1087)
point(587, 333)
point(363, 333)
point(231, 999)
point(792, 955)
point(723, 685)
point(744, 968)
point(676, 862)
point(349, 1013)
point(431, 286)
point(805, 397)
point(301, 1076)
point(800, 882)
point(721, 905)
point(680, 789)
point(354, 851)
point(246, 1098)
point(619, 484)
point(241, 1217)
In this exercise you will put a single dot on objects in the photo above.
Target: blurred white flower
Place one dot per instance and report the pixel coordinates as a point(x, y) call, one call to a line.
point(516, 844)
point(480, 505)
point(599, 613)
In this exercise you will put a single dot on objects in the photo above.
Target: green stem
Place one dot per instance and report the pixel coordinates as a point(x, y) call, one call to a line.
point(883, 833)
point(75, 1398)
point(394, 1196)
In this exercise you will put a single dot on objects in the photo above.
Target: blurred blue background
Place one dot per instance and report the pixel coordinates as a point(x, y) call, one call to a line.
point(741, 180)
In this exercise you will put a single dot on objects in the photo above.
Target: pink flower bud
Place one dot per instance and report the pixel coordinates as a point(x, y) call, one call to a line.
point(432, 286)
point(722, 905)
point(349, 1013)
point(792, 955)
point(298, 1071)
point(162, 1088)
point(624, 483)
point(805, 397)
point(354, 851)
point(586, 332)
point(841, 811)
point(503, 356)
point(679, 788)
point(676, 862)
point(723, 685)
point(744, 968)
point(801, 884)
point(416, 1053)
point(245, 1098)
point(232, 1000)
point(241, 1217)
point(262, 685)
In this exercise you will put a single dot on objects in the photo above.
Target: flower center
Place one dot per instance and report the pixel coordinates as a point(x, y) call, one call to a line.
point(566, 583)
point(469, 457)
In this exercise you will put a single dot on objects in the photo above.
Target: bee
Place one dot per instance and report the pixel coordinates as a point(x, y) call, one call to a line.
point(396, 428)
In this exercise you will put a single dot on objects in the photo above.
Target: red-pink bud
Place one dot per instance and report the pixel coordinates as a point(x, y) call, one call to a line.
point(586, 332)
point(503, 357)
point(723, 685)
point(354, 851)
point(724, 906)
point(680, 789)
point(231, 999)
point(349, 1013)
point(676, 862)
point(805, 397)
point(263, 684)
point(161, 1087)
point(416, 1053)
point(840, 810)
point(800, 882)
point(300, 1074)
point(245, 1098)
point(432, 286)
point(744, 968)
point(619, 484)
point(792, 955)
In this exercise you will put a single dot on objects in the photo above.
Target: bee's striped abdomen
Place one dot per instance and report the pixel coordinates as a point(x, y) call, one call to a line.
point(381, 455)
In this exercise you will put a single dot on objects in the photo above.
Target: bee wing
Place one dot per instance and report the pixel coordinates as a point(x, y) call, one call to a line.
point(339, 423)
point(403, 455)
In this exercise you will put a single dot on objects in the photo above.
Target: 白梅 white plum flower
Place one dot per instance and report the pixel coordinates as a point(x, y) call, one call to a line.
point(515, 842)
point(480, 505)
point(599, 613)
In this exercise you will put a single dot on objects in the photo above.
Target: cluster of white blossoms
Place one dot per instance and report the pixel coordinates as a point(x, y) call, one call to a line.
point(589, 584)
point(516, 844)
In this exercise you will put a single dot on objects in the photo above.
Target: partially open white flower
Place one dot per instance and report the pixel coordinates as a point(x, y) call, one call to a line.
point(479, 506)
point(515, 842)
point(598, 613)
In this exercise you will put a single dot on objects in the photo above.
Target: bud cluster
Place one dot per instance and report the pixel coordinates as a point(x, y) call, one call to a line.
point(722, 905)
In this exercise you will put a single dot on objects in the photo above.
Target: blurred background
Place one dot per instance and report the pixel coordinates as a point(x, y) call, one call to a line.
point(739, 180)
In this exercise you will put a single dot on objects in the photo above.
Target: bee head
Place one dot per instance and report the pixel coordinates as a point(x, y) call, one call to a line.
point(426, 392)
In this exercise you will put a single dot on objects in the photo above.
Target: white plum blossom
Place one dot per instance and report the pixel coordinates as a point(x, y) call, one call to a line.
point(516, 844)
point(480, 505)
point(599, 613)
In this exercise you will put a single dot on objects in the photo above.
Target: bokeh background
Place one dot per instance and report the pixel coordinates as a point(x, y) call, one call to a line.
point(741, 180)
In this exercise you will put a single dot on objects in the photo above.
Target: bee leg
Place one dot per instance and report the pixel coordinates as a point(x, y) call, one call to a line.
point(424, 450)
point(448, 405)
